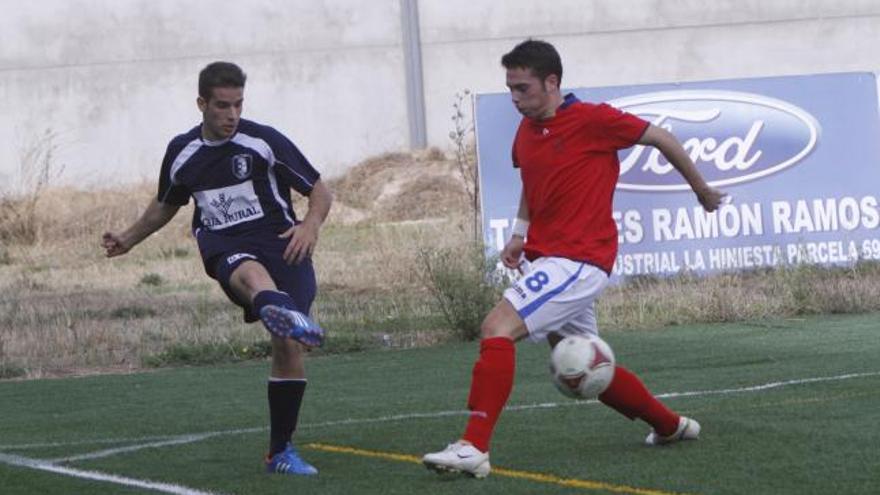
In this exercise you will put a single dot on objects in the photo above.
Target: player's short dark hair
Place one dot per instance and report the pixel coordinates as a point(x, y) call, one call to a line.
point(538, 56)
point(220, 75)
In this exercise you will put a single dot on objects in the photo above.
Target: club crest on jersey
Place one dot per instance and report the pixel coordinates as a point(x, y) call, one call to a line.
point(242, 165)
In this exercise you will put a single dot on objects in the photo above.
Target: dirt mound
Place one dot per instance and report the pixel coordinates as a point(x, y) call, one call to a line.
point(392, 187)
point(399, 186)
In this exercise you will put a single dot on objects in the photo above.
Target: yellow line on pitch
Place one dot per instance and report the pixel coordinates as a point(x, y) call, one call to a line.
point(510, 473)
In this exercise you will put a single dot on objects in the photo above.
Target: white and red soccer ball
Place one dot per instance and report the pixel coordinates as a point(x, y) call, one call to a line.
point(582, 366)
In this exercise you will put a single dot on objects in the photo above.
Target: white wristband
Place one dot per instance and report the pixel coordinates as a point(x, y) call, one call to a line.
point(520, 227)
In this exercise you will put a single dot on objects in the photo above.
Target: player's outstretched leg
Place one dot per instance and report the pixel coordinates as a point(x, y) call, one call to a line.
point(688, 429)
point(278, 316)
point(628, 395)
point(288, 461)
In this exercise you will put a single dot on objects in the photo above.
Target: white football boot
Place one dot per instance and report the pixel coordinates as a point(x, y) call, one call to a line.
point(459, 457)
point(688, 429)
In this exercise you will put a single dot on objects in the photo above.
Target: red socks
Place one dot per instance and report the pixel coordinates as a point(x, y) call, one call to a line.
point(491, 383)
point(628, 395)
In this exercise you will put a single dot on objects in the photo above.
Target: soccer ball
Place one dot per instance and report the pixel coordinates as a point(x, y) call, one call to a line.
point(582, 366)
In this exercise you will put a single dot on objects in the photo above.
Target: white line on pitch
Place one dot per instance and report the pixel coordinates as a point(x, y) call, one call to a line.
point(98, 476)
point(132, 448)
point(157, 439)
point(194, 437)
point(702, 393)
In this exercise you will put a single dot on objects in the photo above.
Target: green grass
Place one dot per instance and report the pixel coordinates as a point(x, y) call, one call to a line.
point(802, 438)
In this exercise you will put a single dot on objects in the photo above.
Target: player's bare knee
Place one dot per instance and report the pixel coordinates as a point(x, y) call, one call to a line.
point(495, 328)
point(503, 321)
point(287, 357)
point(487, 331)
point(286, 348)
point(251, 277)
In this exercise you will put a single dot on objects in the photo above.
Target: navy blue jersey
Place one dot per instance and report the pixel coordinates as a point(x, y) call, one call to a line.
point(241, 184)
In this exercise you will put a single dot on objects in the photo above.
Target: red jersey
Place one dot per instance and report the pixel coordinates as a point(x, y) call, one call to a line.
point(569, 169)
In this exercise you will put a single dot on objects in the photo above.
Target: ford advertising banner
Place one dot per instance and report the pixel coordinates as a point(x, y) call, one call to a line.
point(799, 156)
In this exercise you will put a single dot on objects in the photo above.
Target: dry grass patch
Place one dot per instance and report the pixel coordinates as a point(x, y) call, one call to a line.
point(400, 186)
point(63, 306)
point(393, 263)
point(779, 293)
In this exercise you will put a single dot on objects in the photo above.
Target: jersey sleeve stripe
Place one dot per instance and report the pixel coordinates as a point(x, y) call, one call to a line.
point(260, 146)
point(288, 167)
point(263, 148)
point(265, 151)
point(182, 157)
point(273, 183)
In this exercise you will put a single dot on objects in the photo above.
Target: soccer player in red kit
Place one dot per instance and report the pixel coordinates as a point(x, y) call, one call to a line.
point(566, 151)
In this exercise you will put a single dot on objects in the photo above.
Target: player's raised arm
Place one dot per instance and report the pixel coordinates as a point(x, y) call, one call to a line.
point(664, 141)
point(154, 218)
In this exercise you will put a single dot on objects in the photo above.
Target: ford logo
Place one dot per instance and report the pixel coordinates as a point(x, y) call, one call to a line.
point(732, 137)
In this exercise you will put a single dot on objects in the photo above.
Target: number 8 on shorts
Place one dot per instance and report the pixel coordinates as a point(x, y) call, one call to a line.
point(537, 281)
point(558, 295)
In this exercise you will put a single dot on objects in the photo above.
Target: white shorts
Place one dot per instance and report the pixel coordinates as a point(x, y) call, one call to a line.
point(558, 295)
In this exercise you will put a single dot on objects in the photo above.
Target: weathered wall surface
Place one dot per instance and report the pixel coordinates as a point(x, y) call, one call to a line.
point(617, 42)
point(113, 81)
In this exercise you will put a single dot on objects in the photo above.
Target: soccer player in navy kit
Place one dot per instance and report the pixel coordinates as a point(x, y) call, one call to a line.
point(240, 174)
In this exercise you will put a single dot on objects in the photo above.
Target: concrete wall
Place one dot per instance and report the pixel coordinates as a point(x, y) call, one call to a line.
point(616, 42)
point(114, 80)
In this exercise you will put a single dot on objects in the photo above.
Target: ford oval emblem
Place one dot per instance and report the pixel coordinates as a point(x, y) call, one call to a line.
point(732, 137)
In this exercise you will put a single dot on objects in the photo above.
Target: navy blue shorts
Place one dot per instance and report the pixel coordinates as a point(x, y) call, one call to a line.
point(221, 255)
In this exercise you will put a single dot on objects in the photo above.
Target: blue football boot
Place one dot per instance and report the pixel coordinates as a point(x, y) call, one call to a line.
point(288, 461)
point(288, 323)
